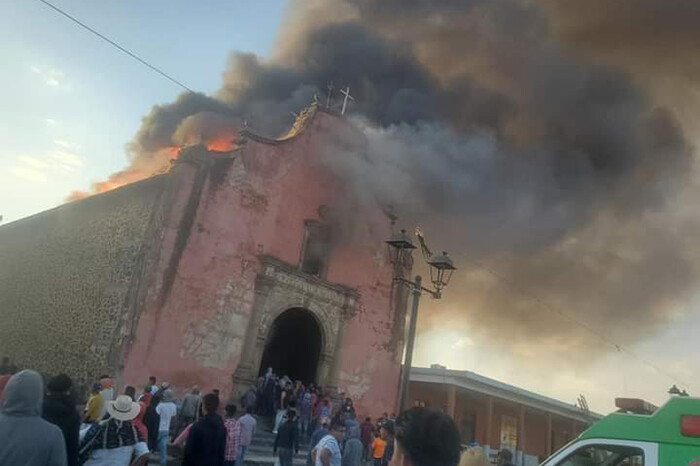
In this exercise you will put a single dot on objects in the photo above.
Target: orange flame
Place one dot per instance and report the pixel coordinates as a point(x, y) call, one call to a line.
point(156, 163)
point(222, 143)
point(159, 161)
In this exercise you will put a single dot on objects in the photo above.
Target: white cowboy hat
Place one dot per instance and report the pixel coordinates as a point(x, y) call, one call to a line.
point(123, 409)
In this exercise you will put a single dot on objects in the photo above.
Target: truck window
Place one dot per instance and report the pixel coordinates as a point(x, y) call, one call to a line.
point(605, 455)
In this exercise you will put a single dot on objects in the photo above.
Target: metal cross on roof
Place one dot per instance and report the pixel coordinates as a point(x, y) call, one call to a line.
point(346, 93)
point(330, 94)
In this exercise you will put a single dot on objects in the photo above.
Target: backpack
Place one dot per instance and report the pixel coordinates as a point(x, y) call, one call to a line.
point(88, 443)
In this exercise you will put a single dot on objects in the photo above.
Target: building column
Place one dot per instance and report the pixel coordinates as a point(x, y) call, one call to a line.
point(254, 342)
point(549, 434)
point(521, 432)
point(489, 419)
point(348, 313)
point(451, 400)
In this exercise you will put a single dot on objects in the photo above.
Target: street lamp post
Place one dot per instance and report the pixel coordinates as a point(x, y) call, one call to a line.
point(441, 269)
point(406, 373)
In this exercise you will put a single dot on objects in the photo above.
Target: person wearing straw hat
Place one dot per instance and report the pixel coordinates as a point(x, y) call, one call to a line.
point(116, 441)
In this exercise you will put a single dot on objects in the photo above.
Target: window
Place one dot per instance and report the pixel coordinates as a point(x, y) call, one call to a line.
point(509, 432)
point(605, 455)
point(314, 251)
point(420, 403)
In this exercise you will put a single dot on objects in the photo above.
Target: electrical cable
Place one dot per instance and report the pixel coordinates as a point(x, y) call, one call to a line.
point(114, 44)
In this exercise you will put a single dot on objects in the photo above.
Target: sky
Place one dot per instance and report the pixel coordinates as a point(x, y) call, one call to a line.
point(71, 102)
point(616, 374)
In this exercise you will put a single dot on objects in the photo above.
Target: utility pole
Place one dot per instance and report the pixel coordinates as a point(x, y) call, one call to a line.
point(406, 372)
point(330, 95)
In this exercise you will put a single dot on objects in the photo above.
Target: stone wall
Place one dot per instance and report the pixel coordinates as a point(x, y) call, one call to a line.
point(69, 279)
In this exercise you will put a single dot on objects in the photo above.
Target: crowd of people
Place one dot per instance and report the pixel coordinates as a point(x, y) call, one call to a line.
point(272, 396)
point(40, 426)
point(417, 437)
point(305, 414)
point(194, 424)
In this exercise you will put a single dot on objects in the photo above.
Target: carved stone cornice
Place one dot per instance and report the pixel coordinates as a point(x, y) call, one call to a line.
point(279, 273)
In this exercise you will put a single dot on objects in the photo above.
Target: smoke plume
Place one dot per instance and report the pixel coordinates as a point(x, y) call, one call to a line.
point(540, 139)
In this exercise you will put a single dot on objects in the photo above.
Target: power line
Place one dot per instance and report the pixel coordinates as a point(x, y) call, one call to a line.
point(554, 309)
point(114, 44)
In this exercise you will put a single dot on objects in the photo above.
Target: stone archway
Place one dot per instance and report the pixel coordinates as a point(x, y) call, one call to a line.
point(293, 346)
point(281, 287)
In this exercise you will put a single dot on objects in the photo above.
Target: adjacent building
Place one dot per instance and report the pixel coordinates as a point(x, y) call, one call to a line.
point(497, 415)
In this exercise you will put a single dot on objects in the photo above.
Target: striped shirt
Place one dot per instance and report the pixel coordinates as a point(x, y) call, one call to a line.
point(233, 438)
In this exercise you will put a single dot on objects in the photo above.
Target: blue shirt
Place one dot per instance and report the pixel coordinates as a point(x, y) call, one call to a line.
point(331, 444)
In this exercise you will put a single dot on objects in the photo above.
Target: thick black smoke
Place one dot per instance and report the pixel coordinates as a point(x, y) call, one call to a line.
point(510, 132)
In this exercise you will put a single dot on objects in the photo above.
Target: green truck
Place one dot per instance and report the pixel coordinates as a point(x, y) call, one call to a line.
point(639, 435)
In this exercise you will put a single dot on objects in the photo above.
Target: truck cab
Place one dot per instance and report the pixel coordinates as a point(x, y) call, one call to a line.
point(638, 435)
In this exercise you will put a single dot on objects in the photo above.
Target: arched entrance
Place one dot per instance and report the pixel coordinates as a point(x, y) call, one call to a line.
point(293, 346)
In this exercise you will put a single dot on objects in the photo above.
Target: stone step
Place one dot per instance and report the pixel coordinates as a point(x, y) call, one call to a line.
point(271, 441)
point(262, 460)
point(268, 451)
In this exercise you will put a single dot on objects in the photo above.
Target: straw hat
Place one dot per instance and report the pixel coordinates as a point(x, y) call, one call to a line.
point(123, 409)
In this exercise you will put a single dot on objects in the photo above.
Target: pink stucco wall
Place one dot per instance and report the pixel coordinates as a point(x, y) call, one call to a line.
point(196, 334)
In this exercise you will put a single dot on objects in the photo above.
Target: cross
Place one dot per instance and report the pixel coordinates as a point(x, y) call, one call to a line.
point(330, 93)
point(346, 93)
point(389, 212)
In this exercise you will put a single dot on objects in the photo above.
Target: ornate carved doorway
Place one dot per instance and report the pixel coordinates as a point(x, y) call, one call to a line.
point(293, 346)
point(281, 288)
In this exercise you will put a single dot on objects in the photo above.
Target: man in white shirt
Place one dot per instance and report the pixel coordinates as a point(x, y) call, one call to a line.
point(327, 452)
point(167, 410)
point(153, 387)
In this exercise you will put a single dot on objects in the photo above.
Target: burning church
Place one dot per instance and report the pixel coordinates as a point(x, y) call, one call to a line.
point(207, 274)
point(544, 139)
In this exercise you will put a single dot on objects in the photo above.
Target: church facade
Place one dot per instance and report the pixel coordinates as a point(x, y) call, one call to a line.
point(229, 263)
